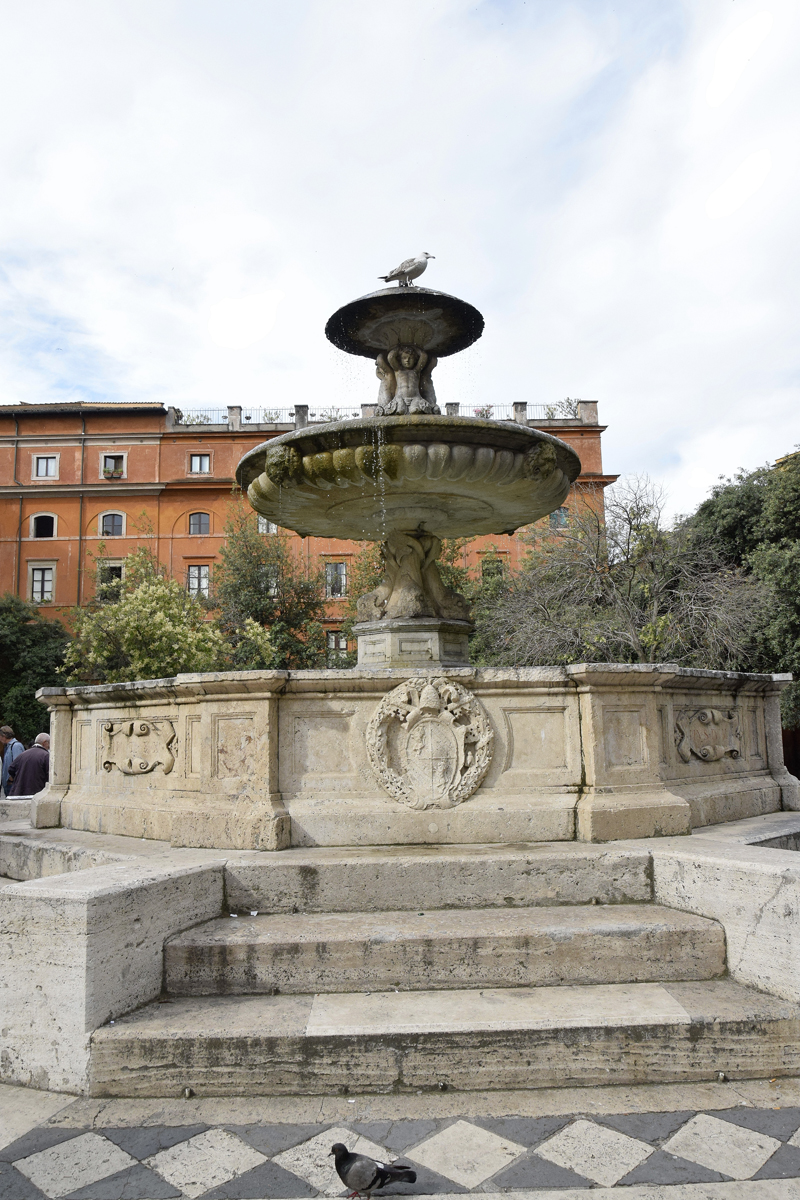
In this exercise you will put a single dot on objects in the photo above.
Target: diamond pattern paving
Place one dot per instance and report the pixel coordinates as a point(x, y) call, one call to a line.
point(511, 1154)
point(311, 1160)
point(466, 1153)
point(721, 1146)
point(601, 1154)
point(205, 1161)
point(74, 1164)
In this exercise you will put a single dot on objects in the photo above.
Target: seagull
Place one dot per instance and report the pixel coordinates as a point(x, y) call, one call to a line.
point(408, 270)
point(366, 1175)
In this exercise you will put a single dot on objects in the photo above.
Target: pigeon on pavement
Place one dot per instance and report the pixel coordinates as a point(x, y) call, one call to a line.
point(366, 1175)
point(412, 268)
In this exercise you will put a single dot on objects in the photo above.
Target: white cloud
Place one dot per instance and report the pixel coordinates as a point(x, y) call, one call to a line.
point(171, 166)
point(236, 323)
point(743, 183)
point(733, 55)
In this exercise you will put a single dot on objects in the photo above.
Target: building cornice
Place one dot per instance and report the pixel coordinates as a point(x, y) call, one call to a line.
point(118, 488)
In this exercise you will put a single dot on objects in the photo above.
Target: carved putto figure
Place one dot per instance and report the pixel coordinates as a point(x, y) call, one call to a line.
point(406, 384)
point(430, 743)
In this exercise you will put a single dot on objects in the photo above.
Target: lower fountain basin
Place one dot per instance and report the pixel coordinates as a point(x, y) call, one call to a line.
point(447, 476)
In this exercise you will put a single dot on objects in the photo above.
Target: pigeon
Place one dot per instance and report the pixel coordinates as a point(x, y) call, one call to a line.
point(408, 270)
point(366, 1175)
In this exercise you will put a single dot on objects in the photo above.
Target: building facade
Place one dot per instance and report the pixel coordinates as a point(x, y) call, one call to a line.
point(82, 485)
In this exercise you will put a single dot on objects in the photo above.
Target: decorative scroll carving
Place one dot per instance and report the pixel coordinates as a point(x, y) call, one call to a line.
point(709, 734)
point(138, 747)
point(430, 743)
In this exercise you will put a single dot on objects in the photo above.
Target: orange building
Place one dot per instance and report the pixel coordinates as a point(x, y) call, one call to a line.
point(73, 476)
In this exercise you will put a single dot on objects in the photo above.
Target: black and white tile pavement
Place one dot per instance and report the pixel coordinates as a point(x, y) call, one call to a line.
point(724, 1154)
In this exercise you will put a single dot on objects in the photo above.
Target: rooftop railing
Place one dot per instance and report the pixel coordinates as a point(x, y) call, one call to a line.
point(234, 417)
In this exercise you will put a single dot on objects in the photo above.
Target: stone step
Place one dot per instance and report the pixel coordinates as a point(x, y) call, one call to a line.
point(12, 809)
point(369, 879)
point(456, 948)
point(464, 1040)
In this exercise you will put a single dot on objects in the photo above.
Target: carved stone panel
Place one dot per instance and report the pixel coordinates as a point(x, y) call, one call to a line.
point(430, 743)
point(85, 752)
point(709, 734)
point(234, 746)
point(536, 739)
point(624, 741)
point(138, 747)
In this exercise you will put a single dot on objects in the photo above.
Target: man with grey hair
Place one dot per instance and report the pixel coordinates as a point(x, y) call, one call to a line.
point(30, 771)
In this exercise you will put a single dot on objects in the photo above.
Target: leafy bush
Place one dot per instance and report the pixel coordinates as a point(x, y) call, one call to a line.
point(154, 629)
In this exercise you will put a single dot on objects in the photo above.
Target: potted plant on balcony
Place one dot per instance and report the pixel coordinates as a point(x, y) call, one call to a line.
point(112, 472)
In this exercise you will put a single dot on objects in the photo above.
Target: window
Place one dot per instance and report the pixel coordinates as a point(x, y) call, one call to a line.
point(46, 466)
point(337, 646)
point(199, 523)
point(197, 578)
point(335, 580)
point(113, 466)
point(199, 464)
point(43, 525)
point(112, 525)
point(492, 568)
point(559, 518)
point(265, 526)
point(42, 584)
point(109, 579)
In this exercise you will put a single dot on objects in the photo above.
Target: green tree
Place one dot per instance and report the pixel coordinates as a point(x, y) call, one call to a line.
point(260, 579)
point(756, 517)
point(151, 629)
point(622, 587)
point(31, 651)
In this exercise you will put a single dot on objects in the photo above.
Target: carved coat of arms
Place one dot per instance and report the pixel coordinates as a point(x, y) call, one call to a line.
point(430, 743)
point(707, 733)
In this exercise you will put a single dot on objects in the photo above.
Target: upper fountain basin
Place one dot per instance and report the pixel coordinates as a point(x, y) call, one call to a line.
point(449, 476)
point(413, 316)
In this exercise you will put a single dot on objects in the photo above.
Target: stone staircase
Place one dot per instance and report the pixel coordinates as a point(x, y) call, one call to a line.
point(465, 967)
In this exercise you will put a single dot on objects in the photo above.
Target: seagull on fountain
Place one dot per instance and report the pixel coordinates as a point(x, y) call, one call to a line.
point(412, 268)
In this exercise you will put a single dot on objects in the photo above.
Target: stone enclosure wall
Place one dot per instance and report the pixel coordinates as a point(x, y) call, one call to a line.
point(264, 760)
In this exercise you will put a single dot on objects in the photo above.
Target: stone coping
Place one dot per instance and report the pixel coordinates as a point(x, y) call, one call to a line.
point(614, 674)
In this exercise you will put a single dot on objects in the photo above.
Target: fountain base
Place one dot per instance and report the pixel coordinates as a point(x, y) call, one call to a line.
point(413, 642)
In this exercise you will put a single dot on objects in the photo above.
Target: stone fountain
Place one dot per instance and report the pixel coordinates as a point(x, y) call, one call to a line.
point(413, 745)
point(412, 781)
point(408, 476)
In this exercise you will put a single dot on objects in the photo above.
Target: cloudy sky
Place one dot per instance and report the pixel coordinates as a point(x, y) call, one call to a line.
point(191, 187)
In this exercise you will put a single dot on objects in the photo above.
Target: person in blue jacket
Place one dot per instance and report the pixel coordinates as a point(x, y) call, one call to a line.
point(11, 750)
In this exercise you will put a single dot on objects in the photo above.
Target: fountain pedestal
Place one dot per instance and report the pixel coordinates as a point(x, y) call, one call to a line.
point(413, 642)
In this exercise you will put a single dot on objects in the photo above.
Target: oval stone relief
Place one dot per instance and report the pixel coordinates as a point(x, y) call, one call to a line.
point(430, 743)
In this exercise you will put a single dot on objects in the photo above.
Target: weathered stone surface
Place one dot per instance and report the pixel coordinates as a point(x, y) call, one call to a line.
point(441, 476)
point(518, 1038)
point(372, 879)
point(344, 952)
point(272, 758)
point(421, 642)
point(82, 948)
point(753, 891)
point(430, 743)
